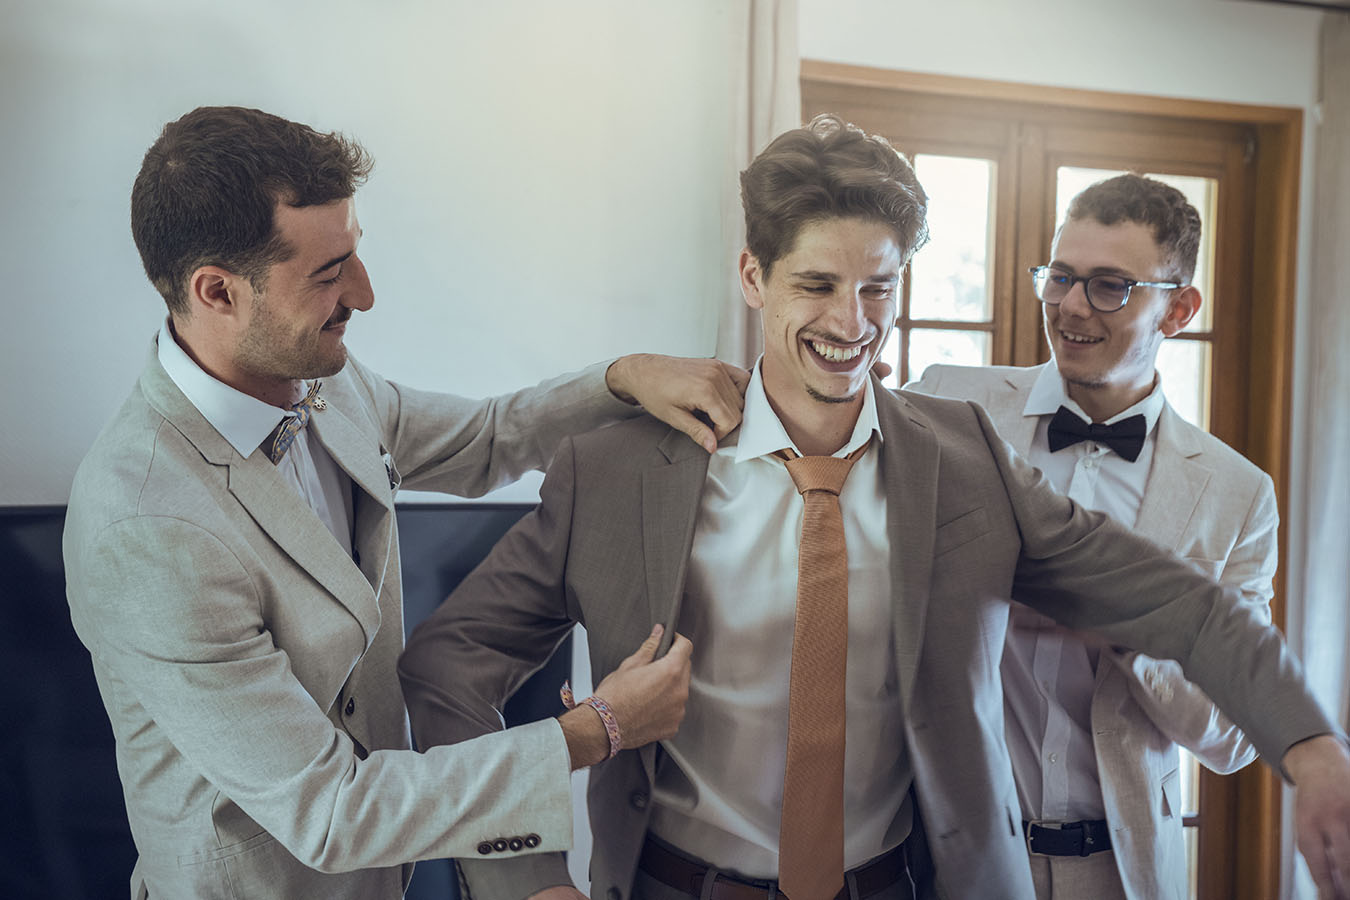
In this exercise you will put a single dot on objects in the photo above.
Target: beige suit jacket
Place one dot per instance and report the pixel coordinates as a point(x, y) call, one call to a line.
point(1204, 502)
point(247, 662)
point(970, 525)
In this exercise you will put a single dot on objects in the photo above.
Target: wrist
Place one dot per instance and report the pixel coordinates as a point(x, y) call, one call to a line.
point(618, 378)
point(1305, 758)
point(585, 735)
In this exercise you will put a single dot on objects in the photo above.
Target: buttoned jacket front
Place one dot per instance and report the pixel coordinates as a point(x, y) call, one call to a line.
point(247, 662)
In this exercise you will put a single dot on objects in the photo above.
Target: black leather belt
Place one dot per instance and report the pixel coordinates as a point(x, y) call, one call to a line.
point(1069, 838)
point(676, 870)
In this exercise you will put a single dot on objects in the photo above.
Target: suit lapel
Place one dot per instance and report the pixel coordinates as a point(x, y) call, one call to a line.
point(1175, 483)
point(273, 504)
point(670, 497)
point(358, 455)
point(1005, 408)
point(909, 467)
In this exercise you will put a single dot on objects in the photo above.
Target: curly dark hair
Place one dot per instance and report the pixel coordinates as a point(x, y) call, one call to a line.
point(824, 170)
point(208, 188)
point(1149, 202)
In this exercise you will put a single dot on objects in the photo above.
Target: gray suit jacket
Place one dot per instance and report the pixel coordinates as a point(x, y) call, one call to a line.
point(247, 662)
point(1208, 504)
point(971, 524)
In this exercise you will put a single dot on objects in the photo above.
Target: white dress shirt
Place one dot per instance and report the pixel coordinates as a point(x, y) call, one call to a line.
point(719, 793)
point(246, 422)
point(1048, 674)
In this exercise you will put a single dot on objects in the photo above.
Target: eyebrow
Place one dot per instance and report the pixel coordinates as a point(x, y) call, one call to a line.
point(1098, 270)
point(812, 275)
point(337, 260)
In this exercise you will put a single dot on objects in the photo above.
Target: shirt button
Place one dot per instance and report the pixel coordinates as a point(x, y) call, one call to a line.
point(1054, 758)
point(351, 706)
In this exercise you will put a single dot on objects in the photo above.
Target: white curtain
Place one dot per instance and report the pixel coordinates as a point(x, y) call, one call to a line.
point(1318, 620)
point(767, 103)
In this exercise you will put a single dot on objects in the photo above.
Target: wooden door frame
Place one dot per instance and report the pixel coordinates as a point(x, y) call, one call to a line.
point(1245, 865)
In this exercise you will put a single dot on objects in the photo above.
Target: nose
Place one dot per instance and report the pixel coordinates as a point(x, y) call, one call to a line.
point(358, 294)
point(1075, 302)
point(848, 317)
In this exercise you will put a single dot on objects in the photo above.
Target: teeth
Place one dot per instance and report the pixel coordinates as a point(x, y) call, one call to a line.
point(836, 354)
point(1078, 338)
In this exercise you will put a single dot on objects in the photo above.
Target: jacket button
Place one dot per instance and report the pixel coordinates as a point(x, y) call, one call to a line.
point(613, 894)
point(485, 848)
point(500, 845)
point(638, 799)
point(517, 844)
point(351, 706)
point(531, 841)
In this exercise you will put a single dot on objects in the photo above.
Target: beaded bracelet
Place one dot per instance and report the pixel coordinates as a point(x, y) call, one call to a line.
point(602, 709)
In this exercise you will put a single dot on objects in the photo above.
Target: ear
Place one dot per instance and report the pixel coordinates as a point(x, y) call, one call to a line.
point(1181, 308)
point(217, 291)
point(752, 279)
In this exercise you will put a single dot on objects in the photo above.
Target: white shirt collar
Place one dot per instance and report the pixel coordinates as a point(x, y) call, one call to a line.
point(1049, 393)
point(242, 420)
point(762, 432)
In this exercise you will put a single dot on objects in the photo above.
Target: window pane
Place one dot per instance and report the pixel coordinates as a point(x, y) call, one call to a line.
point(1200, 192)
point(950, 276)
point(1185, 370)
point(929, 346)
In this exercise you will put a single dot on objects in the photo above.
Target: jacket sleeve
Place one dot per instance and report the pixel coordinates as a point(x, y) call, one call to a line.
point(1180, 709)
point(441, 442)
point(175, 617)
point(1087, 572)
point(500, 625)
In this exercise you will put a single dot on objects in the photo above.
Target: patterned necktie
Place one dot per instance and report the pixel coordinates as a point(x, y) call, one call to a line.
point(291, 425)
point(1126, 437)
point(811, 834)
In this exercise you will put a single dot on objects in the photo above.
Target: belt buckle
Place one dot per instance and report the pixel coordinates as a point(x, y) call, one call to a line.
point(1049, 825)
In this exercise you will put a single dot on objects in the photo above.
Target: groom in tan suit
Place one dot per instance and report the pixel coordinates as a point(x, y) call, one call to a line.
point(233, 560)
point(1093, 731)
point(942, 522)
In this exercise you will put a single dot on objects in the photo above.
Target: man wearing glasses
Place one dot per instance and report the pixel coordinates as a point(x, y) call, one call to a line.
point(1103, 814)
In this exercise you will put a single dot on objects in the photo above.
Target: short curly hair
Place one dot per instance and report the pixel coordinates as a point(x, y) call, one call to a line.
point(1149, 202)
point(208, 188)
point(825, 170)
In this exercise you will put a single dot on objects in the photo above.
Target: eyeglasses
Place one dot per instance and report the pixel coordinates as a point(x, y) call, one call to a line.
point(1105, 293)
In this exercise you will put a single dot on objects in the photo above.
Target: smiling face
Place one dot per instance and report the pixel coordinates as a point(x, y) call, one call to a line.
point(1107, 359)
point(828, 307)
point(293, 328)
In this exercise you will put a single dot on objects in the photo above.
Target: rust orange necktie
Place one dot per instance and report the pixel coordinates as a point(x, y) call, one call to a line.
point(811, 834)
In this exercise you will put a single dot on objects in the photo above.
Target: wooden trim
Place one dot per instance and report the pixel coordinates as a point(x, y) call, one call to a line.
point(1067, 98)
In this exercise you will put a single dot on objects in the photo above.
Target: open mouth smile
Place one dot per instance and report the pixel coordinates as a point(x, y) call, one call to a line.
point(832, 353)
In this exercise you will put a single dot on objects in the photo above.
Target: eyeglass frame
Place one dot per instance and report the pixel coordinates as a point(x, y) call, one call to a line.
point(1130, 284)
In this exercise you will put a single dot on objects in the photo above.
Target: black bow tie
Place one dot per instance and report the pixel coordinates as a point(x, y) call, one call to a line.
point(1126, 437)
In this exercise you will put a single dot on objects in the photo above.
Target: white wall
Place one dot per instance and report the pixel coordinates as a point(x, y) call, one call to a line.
point(545, 194)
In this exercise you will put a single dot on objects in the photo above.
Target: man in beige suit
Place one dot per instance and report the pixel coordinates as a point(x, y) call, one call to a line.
point(942, 522)
point(1093, 731)
point(232, 556)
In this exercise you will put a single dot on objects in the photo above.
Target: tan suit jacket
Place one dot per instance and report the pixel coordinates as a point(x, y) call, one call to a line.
point(970, 524)
point(1207, 503)
point(247, 662)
